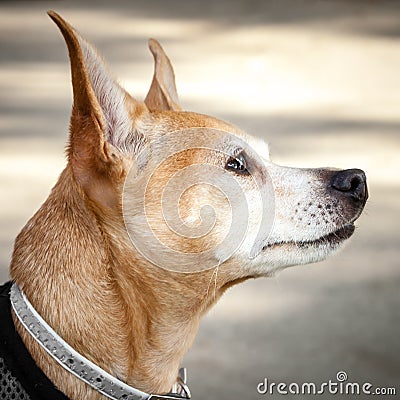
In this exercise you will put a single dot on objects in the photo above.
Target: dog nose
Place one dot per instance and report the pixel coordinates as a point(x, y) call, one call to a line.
point(351, 182)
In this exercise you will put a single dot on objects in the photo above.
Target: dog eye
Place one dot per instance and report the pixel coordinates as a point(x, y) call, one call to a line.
point(237, 164)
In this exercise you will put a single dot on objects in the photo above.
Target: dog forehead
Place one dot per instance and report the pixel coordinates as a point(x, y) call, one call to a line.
point(212, 130)
point(172, 120)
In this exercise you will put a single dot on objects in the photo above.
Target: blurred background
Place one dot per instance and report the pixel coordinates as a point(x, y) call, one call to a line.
point(320, 81)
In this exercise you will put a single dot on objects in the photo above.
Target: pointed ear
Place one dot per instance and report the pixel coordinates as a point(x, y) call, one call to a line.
point(103, 114)
point(162, 95)
point(97, 96)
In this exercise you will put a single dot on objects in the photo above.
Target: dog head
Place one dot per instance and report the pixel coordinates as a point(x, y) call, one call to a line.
point(192, 192)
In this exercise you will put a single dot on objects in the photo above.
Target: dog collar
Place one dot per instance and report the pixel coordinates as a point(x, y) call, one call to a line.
point(80, 366)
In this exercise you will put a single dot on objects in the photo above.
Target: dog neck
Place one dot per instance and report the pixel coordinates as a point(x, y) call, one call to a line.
point(81, 274)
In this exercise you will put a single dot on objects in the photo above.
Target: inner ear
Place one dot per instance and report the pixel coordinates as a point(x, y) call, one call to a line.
point(99, 101)
point(111, 97)
point(162, 95)
point(104, 119)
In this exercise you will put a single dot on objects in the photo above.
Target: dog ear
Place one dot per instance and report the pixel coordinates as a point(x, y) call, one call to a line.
point(162, 95)
point(101, 128)
point(98, 98)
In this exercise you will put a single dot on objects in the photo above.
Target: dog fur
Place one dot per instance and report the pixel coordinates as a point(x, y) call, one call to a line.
point(75, 260)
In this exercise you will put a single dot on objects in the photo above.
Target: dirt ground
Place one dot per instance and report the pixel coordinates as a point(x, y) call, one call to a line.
point(320, 81)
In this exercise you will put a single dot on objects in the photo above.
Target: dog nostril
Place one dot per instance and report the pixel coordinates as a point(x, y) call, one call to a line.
point(351, 182)
point(355, 183)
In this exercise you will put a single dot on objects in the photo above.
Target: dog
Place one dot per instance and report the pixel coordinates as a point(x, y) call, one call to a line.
point(156, 214)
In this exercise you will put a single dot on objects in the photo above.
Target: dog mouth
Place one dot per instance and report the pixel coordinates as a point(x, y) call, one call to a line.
point(331, 239)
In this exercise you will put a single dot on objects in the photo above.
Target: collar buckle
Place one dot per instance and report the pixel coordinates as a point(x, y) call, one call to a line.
point(180, 390)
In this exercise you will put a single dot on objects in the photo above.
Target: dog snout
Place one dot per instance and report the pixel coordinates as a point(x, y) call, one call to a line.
point(352, 183)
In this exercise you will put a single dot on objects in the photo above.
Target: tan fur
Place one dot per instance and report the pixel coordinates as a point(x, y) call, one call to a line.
point(101, 297)
point(131, 318)
point(162, 94)
point(76, 262)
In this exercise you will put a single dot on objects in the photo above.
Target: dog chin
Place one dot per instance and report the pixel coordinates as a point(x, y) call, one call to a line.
point(280, 255)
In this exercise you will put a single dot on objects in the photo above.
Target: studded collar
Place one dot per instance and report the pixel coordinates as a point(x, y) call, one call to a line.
point(78, 365)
